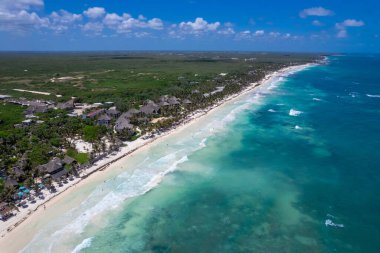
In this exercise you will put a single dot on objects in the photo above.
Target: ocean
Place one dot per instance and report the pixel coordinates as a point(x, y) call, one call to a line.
point(290, 167)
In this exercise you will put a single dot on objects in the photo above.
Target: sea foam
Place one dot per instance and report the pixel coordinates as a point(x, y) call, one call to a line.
point(86, 243)
point(294, 113)
point(373, 96)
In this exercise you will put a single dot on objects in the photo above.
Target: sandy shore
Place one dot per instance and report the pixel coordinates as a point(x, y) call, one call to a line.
point(21, 228)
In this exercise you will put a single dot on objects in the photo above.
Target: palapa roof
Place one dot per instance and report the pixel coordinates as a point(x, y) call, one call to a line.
point(133, 111)
point(173, 101)
point(66, 105)
point(59, 174)
point(52, 166)
point(68, 160)
point(122, 123)
point(149, 102)
point(150, 108)
point(18, 171)
point(164, 98)
point(9, 182)
point(37, 108)
point(104, 117)
point(113, 111)
point(163, 103)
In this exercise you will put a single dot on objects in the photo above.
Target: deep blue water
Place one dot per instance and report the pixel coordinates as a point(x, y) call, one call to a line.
point(268, 181)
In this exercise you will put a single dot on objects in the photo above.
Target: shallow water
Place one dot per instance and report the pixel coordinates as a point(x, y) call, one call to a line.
point(262, 174)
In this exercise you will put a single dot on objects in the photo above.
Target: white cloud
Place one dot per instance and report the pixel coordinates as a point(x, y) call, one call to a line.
point(342, 33)
point(15, 15)
point(141, 34)
point(112, 20)
point(316, 11)
point(198, 26)
point(259, 33)
point(274, 34)
point(228, 31)
point(342, 27)
point(18, 16)
point(19, 5)
point(317, 23)
point(262, 35)
point(21, 21)
point(62, 20)
point(95, 12)
point(93, 27)
point(352, 23)
point(126, 23)
point(155, 23)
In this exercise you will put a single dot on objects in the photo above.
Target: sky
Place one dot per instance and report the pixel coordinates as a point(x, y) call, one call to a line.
point(217, 25)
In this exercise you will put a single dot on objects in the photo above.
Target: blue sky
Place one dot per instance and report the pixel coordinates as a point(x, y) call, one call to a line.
point(252, 25)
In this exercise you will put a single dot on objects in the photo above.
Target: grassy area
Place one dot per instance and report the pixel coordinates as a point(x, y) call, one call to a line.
point(10, 115)
point(100, 77)
point(80, 157)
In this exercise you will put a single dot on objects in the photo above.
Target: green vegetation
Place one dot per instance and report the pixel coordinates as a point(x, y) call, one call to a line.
point(81, 158)
point(91, 133)
point(10, 115)
point(126, 79)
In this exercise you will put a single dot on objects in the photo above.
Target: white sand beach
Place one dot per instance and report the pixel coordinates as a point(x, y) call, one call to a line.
point(22, 227)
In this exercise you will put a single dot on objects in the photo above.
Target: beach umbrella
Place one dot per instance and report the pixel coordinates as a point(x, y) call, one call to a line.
point(26, 191)
point(22, 188)
point(20, 194)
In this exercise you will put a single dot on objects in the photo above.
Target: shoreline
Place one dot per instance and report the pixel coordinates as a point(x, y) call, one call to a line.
point(17, 223)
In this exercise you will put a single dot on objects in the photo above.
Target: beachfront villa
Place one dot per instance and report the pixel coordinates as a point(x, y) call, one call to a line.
point(56, 168)
point(103, 120)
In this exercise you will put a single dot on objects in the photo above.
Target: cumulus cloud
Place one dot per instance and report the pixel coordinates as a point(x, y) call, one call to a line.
point(351, 23)
point(126, 23)
point(342, 27)
point(316, 11)
point(93, 28)
point(274, 34)
point(259, 33)
point(19, 5)
point(62, 20)
point(228, 31)
point(262, 35)
point(198, 26)
point(16, 15)
point(112, 20)
point(95, 12)
point(342, 33)
point(155, 23)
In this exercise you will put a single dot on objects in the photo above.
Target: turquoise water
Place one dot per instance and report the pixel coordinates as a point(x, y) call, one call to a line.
point(264, 174)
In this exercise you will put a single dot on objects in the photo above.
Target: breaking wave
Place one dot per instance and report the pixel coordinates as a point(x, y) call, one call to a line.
point(294, 113)
point(86, 243)
point(373, 96)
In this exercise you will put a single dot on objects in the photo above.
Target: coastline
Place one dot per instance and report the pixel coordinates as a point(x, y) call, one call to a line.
point(110, 163)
